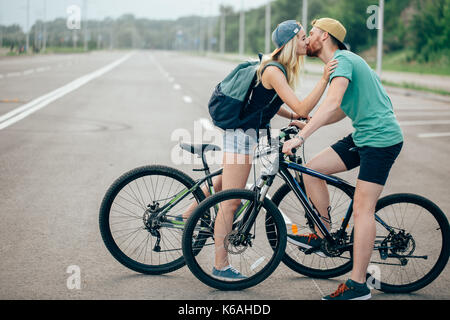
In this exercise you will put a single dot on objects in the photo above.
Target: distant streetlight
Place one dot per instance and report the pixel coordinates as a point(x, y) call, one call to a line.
point(44, 40)
point(28, 26)
point(380, 38)
point(85, 14)
point(305, 15)
point(268, 26)
point(242, 30)
point(222, 29)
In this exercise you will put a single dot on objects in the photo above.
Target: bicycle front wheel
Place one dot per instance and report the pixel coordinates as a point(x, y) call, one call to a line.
point(255, 254)
point(134, 238)
point(412, 244)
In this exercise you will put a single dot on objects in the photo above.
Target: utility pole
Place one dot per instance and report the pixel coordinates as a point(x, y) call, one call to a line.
point(85, 14)
point(210, 31)
point(28, 27)
point(380, 38)
point(268, 27)
point(1, 28)
point(44, 40)
point(222, 30)
point(305, 16)
point(242, 30)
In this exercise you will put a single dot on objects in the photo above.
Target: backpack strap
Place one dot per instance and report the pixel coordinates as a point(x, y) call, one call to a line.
point(276, 64)
point(281, 67)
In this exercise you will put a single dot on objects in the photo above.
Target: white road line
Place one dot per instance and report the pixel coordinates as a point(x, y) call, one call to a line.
point(187, 99)
point(21, 112)
point(27, 72)
point(434, 135)
point(423, 122)
point(420, 108)
point(13, 74)
point(420, 114)
point(318, 288)
point(176, 86)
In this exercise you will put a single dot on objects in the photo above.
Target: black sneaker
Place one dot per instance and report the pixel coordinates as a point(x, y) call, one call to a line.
point(307, 241)
point(350, 290)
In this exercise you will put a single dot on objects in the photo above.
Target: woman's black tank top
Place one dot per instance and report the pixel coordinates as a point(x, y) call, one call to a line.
point(251, 115)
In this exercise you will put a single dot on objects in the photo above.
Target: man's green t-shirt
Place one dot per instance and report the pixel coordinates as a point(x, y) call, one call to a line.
point(366, 103)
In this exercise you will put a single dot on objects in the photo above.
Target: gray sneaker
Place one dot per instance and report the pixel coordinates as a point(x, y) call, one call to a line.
point(228, 273)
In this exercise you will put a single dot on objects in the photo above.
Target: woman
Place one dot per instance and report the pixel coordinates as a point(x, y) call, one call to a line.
point(290, 39)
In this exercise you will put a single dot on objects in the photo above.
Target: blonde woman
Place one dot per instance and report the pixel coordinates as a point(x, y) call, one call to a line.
point(290, 39)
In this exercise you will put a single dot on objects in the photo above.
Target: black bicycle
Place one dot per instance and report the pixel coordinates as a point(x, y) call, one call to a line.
point(140, 217)
point(411, 247)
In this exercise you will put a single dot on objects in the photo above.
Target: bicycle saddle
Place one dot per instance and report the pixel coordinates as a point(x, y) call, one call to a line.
point(199, 148)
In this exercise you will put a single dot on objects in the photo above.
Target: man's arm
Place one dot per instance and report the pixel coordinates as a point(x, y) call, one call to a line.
point(330, 110)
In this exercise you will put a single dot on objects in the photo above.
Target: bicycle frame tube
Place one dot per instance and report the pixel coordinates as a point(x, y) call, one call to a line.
point(284, 165)
point(185, 192)
point(303, 198)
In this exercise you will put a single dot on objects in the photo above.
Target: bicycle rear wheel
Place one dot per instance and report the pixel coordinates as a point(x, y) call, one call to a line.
point(412, 244)
point(255, 255)
point(143, 244)
point(318, 264)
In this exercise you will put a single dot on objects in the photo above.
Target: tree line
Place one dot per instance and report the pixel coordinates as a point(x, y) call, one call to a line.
point(420, 26)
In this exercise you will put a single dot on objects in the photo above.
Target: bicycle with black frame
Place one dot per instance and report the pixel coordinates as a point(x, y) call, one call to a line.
point(411, 249)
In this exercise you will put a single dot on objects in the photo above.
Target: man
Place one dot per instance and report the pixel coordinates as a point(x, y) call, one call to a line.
point(354, 91)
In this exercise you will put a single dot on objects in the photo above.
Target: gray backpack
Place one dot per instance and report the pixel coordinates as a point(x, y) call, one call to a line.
point(232, 94)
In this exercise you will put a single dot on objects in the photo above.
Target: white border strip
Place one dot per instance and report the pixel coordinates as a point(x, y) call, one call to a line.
point(22, 112)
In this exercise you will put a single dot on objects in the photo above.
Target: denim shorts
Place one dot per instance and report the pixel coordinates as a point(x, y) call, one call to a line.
point(240, 142)
point(375, 163)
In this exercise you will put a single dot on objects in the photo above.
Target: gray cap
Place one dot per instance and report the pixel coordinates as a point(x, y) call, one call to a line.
point(284, 32)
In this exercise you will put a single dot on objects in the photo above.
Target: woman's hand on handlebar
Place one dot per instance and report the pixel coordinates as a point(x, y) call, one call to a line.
point(299, 124)
point(291, 144)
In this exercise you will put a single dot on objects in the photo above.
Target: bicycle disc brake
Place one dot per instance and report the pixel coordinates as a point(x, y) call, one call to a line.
point(236, 243)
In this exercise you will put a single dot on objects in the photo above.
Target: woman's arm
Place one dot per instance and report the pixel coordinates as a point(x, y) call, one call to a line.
point(288, 114)
point(276, 79)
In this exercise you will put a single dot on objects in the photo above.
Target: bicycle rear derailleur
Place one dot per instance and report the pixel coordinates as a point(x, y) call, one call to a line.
point(152, 224)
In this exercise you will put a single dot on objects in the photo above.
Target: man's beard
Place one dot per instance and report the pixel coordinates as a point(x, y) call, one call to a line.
point(312, 53)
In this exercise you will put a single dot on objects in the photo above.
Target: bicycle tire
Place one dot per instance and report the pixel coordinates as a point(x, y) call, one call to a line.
point(189, 241)
point(296, 260)
point(442, 224)
point(171, 263)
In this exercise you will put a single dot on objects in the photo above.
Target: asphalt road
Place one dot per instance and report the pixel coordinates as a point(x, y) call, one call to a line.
point(87, 118)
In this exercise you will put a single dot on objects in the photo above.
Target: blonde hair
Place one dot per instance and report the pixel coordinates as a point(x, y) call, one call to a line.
point(288, 57)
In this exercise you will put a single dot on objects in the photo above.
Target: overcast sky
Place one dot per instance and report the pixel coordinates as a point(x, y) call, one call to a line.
point(15, 11)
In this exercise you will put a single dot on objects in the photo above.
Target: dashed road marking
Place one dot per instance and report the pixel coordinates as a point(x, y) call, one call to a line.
point(423, 122)
point(434, 135)
point(187, 99)
point(22, 112)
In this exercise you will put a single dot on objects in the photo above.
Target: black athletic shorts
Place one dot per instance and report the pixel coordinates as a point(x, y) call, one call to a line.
point(375, 163)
